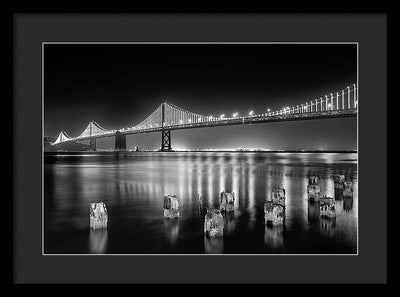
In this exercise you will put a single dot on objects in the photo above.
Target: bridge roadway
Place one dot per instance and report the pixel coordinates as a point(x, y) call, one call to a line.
point(249, 120)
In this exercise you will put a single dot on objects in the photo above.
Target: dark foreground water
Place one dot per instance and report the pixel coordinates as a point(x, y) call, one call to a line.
point(132, 185)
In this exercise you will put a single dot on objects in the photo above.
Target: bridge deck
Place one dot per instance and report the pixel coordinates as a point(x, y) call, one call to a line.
point(249, 120)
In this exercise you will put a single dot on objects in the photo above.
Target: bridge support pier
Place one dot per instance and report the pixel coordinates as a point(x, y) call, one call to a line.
point(120, 142)
point(166, 141)
point(92, 144)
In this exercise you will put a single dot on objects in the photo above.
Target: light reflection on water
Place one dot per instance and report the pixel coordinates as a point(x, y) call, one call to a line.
point(273, 236)
point(133, 186)
point(98, 241)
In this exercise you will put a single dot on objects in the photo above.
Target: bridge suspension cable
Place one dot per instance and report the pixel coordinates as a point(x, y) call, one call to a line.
point(173, 116)
point(63, 136)
point(152, 121)
point(93, 129)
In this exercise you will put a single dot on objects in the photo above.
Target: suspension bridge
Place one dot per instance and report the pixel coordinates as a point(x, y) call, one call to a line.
point(167, 117)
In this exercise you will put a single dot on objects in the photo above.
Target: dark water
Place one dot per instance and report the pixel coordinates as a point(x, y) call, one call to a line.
point(133, 185)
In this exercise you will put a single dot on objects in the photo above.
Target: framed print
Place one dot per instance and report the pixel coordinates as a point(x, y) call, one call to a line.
point(166, 142)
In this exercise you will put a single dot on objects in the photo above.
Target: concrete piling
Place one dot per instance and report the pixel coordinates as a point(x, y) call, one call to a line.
point(327, 207)
point(171, 207)
point(338, 180)
point(274, 208)
point(274, 214)
point(213, 223)
point(278, 196)
point(313, 189)
point(98, 215)
point(227, 201)
point(348, 189)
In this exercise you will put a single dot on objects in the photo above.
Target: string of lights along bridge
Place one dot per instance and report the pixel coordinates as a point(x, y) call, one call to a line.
point(168, 116)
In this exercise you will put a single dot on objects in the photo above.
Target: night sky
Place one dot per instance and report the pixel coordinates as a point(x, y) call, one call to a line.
point(120, 85)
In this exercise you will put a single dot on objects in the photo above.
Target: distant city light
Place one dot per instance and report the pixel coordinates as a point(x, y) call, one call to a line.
point(251, 112)
point(222, 116)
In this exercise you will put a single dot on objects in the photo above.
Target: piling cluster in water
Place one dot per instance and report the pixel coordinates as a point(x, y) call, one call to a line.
point(274, 208)
point(213, 223)
point(320, 206)
point(327, 205)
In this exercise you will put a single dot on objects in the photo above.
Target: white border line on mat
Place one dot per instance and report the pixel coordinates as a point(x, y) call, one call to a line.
point(200, 42)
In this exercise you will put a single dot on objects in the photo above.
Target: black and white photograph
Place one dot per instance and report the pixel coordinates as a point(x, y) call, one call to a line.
point(200, 148)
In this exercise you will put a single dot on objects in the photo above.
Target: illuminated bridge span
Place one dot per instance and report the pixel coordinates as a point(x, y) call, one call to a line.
point(169, 117)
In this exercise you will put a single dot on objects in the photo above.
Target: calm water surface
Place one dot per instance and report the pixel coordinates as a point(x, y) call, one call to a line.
point(132, 185)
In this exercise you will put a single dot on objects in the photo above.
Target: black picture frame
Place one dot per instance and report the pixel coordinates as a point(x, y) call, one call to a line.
point(30, 30)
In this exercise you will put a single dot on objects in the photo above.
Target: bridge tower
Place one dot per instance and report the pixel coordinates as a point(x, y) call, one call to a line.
point(165, 133)
point(120, 141)
point(92, 144)
point(92, 140)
